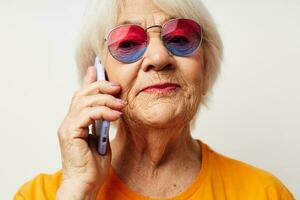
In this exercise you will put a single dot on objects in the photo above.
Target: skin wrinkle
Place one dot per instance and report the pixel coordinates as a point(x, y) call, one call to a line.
point(192, 105)
point(134, 136)
point(154, 174)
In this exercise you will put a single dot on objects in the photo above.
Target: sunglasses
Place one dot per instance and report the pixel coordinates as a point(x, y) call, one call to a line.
point(128, 43)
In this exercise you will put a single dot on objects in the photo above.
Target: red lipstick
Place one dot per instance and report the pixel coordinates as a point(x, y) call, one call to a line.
point(161, 88)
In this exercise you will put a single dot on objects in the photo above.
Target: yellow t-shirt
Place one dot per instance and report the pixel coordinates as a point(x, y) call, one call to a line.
point(220, 178)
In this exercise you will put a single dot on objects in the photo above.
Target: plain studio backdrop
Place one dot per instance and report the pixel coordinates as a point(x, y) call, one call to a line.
point(253, 114)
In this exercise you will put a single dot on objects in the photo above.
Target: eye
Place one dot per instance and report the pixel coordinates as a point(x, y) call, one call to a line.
point(178, 40)
point(128, 44)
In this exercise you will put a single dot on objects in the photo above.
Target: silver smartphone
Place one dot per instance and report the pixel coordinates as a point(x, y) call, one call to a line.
point(101, 126)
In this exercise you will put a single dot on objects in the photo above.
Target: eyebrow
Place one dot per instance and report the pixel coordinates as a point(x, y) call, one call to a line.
point(138, 22)
point(130, 22)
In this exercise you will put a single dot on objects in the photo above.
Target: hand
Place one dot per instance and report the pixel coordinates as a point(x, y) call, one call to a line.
point(83, 169)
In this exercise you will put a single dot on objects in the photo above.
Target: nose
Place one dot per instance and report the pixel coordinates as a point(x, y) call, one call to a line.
point(156, 57)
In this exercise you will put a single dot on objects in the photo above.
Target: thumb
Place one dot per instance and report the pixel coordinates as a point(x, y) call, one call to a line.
point(90, 76)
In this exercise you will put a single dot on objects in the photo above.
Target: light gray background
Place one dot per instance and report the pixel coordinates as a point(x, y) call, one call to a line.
point(253, 115)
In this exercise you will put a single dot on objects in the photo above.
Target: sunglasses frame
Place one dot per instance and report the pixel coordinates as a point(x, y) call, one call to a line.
point(147, 39)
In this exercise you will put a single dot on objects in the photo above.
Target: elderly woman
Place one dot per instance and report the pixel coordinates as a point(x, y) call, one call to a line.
point(161, 58)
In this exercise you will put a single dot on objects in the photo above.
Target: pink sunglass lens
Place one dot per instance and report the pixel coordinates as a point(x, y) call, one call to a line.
point(181, 36)
point(127, 43)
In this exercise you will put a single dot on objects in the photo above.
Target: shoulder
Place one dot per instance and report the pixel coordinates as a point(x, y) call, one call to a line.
point(43, 186)
point(238, 175)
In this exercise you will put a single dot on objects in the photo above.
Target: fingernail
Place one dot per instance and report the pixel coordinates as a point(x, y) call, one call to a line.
point(114, 84)
point(118, 112)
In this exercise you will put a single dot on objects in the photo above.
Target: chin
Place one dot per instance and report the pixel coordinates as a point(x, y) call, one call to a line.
point(160, 111)
point(161, 115)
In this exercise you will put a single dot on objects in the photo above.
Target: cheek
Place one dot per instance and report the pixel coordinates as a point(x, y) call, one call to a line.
point(193, 74)
point(193, 71)
point(124, 74)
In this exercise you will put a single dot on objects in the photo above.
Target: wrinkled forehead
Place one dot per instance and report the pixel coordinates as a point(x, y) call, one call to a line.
point(142, 12)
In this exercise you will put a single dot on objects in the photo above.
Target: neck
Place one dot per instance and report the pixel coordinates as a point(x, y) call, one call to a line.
point(152, 149)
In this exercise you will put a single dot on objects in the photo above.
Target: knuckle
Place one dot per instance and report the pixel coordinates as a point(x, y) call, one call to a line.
point(102, 110)
point(98, 89)
point(95, 113)
point(63, 129)
point(102, 83)
point(75, 95)
point(77, 103)
point(86, 112)
point(100, 100)
point(107, 99)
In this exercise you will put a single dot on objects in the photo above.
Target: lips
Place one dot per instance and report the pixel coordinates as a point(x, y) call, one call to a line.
point(160, 88)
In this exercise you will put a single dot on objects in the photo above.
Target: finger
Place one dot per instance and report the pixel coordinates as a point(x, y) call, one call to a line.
point(65, 134)
point(90, 76)
point(100, 100)
point(99, 87)
point(87, 116)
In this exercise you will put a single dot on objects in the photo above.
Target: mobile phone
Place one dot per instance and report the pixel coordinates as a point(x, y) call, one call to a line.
point(101, 126)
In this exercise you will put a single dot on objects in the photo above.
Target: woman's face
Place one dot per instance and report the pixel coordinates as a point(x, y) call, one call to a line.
point(162, 106)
